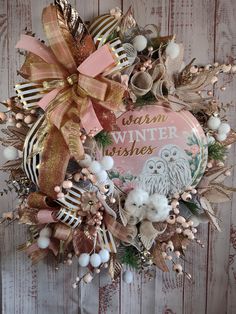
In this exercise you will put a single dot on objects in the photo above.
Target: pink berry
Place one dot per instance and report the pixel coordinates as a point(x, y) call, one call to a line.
point(57, 189)
point(67, 184)
point(60, 195)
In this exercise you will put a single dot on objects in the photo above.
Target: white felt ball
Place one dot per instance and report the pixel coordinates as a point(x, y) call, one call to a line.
point(210, 140)
point(95, 167)
point(105, 255)
point(128, 276)
point(221, 137)
point(140, 42)
point(102, 176)
point(107, 162)
point(172, 50)
point(95, 260)
point(43, 242)
point(213, 123)
point(10, 153)
point(224, 128)
point(84, 259)
point(45, 232)
point(86, 162)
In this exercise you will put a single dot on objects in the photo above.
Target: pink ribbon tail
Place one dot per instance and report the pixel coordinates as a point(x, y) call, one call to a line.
point(45, 100)
point(32, 248)
point(90, 121)
point(97, 62)
point(45, 216)
point(33, 45)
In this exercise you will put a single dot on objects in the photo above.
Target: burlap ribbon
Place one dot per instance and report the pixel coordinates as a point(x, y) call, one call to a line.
point(70, 90)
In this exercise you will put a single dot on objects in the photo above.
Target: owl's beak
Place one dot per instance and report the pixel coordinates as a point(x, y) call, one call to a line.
point(171, 159)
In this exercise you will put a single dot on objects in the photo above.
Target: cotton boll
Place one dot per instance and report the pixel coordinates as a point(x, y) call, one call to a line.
point(83, 259)
point(224, 128)
point(86, 162)
point(140, 42)
point(95, 167)
point(158, 208)
point(45, 232)
point(104, 255)
point(172, 50)
point(221, 137)
point(95, 260)
point(87, 278)
point(10, 153)
point(107, 162)
point(136, 202)
point(101, 175)
point(213, 123)
point(128, 276)
point(43, 242)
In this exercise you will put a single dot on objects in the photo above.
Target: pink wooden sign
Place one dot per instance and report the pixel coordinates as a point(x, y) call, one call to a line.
point(158, 150)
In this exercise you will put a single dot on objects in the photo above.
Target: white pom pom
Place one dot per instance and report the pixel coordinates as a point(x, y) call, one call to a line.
point(10, 153)
point(95, 167)
point(210, 140)
point(128, 276)
point(140, 42)
point(221, 137)
point(224, 128)
point(213, 123)
point(102, 176)
point(172, 50)
point(86, 162)
point(95, 260)
point(43, 242)
point(83, 259)
point(107, 162)
point(105, 255)
point(45, 232)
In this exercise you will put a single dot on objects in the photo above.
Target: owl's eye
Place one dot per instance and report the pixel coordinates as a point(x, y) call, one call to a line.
point(150, 167)
point(158, 167)
point(175, 153)
point(166, 155)
point(153, 209)
point(144, 204)
point(134, 204)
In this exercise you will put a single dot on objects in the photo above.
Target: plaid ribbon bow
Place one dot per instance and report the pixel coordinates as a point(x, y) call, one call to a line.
point(71, 74)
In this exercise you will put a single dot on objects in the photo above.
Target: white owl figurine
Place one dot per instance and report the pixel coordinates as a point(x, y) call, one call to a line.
point(158, 208)
point(135, 205)
point(154, 176)
point(179, 171)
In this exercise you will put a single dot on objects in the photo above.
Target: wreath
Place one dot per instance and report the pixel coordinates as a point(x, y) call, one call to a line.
point(115, 147)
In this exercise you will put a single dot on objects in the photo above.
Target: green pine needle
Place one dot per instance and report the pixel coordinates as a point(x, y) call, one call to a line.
point(216, 151)
point(144, 100)
point(103, 139)
point(130, 257)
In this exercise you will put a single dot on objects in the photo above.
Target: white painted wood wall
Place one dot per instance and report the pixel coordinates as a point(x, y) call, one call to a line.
point(208, 30)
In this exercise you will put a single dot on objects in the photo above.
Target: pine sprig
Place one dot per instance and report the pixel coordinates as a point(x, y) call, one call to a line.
point(103, 139)
point(144, 100)
point(216, 151)
point(130, 257)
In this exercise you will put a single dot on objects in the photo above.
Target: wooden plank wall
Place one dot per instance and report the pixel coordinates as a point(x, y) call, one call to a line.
point(208, 30)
